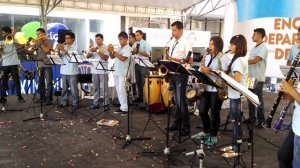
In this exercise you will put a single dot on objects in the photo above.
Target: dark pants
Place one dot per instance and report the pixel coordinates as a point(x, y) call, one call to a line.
point(258, 90)
point(140, 73)
point(236, 119)
point(14, 71)
point(45, 73)
point(210, 100)
point(285, 153)
point(179, 83)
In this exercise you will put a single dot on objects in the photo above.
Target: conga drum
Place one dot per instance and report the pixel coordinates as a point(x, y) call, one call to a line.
point(165, 93)
point(154, 87)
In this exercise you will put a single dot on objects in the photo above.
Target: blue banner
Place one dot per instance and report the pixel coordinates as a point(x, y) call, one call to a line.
point(252, 9)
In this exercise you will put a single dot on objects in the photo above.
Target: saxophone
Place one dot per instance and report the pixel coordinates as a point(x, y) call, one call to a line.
point(223, 90)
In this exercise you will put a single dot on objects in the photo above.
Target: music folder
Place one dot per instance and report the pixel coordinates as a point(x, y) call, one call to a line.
point(174, 67)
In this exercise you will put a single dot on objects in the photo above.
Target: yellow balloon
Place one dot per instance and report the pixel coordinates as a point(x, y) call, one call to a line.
point(19, 36)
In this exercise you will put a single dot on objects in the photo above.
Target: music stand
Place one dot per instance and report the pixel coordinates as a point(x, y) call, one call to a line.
point(128, 139)
point(250, 96)
point(101, 65)
point(144, 62)
point(43, 115)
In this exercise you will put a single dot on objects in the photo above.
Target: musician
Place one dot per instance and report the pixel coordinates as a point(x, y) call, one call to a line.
point(288, 89)
point(141, 49)
point(69, 71)
point(10, 65)
point(132, 39)
point(179, 51)
point(210, 99)
point(257, 68)
point(285, 153)
point(238, 70)
point(99, 77)
point(295, 49)
point(132, 42)
point(121, 56)
point(43, 47)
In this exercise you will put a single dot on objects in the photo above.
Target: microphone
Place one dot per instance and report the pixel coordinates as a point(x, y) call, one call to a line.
point(227, 51)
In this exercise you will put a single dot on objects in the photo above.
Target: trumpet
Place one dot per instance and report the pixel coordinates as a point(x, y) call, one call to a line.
point(35, 41)
point(9, 39)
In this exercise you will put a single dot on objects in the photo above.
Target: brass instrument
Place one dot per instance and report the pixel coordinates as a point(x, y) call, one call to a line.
point(162, 71)
point(166, 50)
point(9, 39)
point(35, 41)
point(223, 90)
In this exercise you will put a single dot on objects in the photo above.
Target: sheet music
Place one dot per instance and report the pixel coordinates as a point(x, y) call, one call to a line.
point(143, 61)
point(240, 88)
point(54, 60)
point(77, 58)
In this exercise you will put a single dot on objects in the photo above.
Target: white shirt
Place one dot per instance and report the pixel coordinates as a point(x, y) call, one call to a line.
point(239, 65)
point(96, 67)
point(214, 65)
point(121, 68)
point(296, 116)
point(180, 49)
point(69, 68)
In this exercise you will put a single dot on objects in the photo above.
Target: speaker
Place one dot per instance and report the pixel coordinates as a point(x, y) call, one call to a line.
point(61, 35)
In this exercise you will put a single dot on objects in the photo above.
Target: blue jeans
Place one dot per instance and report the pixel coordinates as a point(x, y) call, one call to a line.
point(236, 119)
point(258, 90)
point(70, 81)
point(285, 153)
point(296, 161)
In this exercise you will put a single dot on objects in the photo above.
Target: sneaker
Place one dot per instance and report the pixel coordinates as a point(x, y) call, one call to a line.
point(21, 100)
point(124, 113)
point(226, 149)
point(230, 154)
point(211, 140)
point(93, 106)
point(119, 111)
point(105, 108)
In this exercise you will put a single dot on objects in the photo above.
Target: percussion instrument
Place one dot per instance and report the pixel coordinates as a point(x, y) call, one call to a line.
point(154, 88)
point(165, 93)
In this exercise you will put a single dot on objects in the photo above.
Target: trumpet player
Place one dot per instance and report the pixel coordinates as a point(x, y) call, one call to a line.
point(69, 71)
point(142, 49)
point(10, 64)
point(293, 93)
point(257, 63)
point(210, 100)
point(121, 56)
point(180, 50)
point(43, 46)
point(99, 77)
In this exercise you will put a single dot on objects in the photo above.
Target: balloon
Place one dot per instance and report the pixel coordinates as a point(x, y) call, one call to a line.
point(19, 36)
point(30, 28)
point(52, 30)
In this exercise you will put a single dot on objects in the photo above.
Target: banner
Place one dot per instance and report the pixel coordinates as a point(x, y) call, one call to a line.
point(277, 17)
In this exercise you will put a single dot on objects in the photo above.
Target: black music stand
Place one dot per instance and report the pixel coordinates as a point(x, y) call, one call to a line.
point(42, 116)
point(128, 139)
point(146, 63)
point(101, 66)
point(254, 99)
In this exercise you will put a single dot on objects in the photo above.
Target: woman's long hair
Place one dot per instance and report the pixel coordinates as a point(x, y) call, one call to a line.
point(241, 49)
